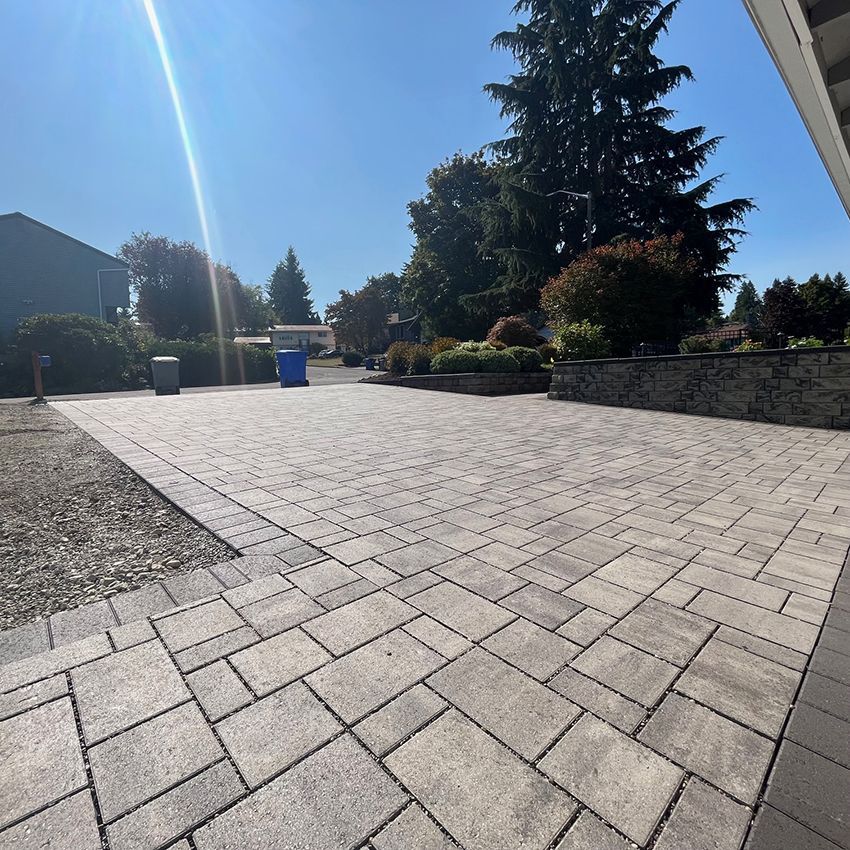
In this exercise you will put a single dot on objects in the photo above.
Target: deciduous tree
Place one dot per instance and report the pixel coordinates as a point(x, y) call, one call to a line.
point(179, 290)
point(447, 263)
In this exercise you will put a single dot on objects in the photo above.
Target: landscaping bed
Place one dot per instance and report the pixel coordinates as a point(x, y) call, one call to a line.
point(76, 524)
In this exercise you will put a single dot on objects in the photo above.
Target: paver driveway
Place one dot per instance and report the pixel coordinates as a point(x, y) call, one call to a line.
point(496, 623)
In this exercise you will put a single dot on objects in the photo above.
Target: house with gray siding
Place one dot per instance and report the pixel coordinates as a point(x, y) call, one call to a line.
point(43, 270)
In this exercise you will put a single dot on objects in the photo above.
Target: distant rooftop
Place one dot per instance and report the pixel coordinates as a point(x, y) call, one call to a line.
point(302, 328)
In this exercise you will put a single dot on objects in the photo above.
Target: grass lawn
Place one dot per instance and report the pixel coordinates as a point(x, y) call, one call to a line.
point(325, 361)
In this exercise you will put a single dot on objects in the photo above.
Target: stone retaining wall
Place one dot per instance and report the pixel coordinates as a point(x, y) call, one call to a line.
point(477, 383)
point(793, 387)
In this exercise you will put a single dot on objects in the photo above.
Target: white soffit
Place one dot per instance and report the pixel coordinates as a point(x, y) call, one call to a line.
point(809, 41)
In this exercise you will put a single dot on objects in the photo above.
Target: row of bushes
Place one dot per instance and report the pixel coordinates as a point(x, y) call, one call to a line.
point(405, 358)
point(90, 355)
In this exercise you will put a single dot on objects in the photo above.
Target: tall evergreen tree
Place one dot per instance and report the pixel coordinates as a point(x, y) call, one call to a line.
point(586, 115)
point(784, 309)
point(289, 292)
point(748, 305)
point(827, 301)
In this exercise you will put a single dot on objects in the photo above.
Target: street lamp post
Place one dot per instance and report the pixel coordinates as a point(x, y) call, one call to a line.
point(589, 198)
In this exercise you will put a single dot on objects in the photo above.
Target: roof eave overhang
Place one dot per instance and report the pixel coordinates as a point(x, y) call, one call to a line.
point(789, 35)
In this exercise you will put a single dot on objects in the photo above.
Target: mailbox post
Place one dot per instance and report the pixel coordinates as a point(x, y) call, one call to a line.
point(39, 360)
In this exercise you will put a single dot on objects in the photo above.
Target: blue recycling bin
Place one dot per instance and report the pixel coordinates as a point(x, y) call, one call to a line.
point(292, 368)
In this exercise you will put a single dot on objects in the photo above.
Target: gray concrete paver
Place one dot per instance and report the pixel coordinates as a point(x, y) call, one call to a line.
point(752, 690)
point(704, 819)
point(334, 798)
point(40, 760)
point(266, 737)
point(513, 707)
point(372, 675)
point(729, 756)
point(625, 782)
point(125, 688)
point(69, 824)
point(146, 760)
point(482, 795)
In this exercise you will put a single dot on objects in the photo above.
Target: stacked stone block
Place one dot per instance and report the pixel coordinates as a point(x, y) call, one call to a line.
point(809, 387)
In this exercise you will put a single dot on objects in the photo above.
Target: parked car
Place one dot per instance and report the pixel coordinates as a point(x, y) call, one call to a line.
point(330, 352)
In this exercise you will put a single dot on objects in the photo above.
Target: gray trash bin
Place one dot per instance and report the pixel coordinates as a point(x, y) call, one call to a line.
point(166, 375)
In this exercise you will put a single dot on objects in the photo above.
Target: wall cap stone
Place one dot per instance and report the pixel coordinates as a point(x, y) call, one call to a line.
point(682, 357)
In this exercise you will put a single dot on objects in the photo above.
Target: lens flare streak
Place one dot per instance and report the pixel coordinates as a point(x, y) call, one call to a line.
point(191, 160)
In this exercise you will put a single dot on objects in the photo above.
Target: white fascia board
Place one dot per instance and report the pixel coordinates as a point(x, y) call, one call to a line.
point(784, 28)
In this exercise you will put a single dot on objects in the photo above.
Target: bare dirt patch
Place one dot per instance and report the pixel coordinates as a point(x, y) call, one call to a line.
point(76, 524)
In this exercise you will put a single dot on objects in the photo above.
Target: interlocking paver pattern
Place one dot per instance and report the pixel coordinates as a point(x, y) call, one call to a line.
point(454, 622)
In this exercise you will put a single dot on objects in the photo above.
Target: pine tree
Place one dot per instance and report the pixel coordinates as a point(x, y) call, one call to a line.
point(289, 292)
point(748, 305)
point(585, 115)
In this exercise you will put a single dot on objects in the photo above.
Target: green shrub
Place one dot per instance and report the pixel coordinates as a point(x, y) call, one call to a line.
point(548, 352)
point(474, 346)
point(496, 361)
point(512, 331)
point(582, 341)
point(316, 347)
point(419, 360)
point(529, 359)
point(88, 354)
point(636, 290)
point(750, 345)
point(700, 344)
point(398, 358)
point(454, 362)
point(351, 358)
point(444, 343)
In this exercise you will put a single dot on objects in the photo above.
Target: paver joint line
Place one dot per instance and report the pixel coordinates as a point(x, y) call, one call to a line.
point(460, 591)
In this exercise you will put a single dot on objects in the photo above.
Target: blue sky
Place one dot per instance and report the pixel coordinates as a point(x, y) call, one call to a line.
point(314, 122)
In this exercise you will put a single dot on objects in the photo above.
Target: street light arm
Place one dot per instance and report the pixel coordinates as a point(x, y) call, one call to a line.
point(567, 192)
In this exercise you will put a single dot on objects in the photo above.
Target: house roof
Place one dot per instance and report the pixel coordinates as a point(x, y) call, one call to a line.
point(302, 328)
point(809, 41)
point(41, 224)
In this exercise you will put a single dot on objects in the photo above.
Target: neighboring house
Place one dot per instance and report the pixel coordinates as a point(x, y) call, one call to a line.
point(301, 337)
point(43, 270)
point(256, 341)
point(809, 41)
point(404, 329)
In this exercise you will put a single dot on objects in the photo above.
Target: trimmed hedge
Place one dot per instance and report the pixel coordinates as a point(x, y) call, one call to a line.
point(496, 361)
point(201, 361)
point(529, 359)
point(455, 362)
point(90, 355)
point(352, 358)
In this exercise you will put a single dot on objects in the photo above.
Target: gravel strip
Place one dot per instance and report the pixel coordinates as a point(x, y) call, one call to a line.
point(77, 525)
